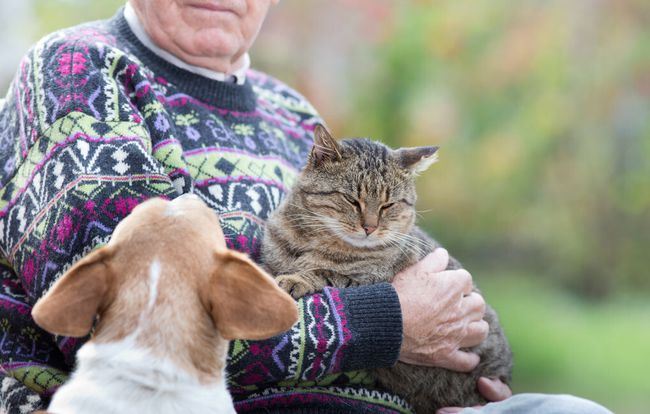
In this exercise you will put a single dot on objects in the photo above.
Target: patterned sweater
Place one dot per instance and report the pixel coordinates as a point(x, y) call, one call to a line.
point(93, 124)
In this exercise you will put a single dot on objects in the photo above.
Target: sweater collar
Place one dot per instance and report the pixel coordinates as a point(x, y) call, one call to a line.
point(225, 95)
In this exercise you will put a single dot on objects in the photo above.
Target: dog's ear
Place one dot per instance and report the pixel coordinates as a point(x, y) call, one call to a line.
point(70, 306)
point(245, 302)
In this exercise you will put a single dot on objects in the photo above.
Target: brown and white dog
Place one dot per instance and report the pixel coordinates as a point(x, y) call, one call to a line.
point(169, 296)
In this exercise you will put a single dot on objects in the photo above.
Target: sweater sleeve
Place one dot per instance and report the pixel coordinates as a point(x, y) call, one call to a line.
point(31, 364)
point(339, 330)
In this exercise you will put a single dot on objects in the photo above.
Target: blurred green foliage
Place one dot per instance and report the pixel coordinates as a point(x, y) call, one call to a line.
point(542, 111)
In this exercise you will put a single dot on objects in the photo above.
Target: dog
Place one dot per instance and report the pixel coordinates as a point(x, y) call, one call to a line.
point(165, 295)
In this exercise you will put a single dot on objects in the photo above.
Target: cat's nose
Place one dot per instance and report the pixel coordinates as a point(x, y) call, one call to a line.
point(369, 229)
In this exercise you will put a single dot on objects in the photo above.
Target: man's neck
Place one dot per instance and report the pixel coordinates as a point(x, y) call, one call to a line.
point(236, 76)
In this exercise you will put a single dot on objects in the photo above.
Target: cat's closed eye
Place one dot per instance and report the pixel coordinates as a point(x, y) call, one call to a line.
point(351, 200)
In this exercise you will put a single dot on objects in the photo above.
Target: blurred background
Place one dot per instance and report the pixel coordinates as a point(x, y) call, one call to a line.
point(542, 112)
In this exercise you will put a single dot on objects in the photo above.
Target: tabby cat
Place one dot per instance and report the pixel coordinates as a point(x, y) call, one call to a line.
point(349, 221)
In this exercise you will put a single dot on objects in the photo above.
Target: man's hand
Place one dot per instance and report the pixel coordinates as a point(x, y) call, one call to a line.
point(440, 314)
point(492, 390)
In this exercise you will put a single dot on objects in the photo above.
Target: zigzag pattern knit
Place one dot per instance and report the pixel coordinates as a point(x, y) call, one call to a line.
point(93, 124)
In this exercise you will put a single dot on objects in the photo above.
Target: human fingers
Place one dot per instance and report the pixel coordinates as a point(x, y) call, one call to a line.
point(476, 333)
point(493, 389)
point(460, 361)
point(437, 261)
point(449, 410)
point(458, 281)
point(434, 262)
point(474, 306)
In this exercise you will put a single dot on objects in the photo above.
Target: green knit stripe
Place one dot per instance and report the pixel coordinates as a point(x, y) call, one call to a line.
point(205, 165)
point(74, 127)
point(301, 106)
point(111, 91)
point(39, 378)
point(170, 157)
point(360, 377)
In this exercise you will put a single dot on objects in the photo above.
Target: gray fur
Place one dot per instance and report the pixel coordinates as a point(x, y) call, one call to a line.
point(344, 187)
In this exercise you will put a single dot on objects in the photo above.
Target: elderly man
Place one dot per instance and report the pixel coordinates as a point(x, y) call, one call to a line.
point(160, 101)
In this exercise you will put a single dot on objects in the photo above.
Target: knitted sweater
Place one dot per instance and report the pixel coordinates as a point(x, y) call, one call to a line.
point(93, 124)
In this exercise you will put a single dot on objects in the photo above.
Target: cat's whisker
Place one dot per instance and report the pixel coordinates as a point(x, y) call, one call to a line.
point(317, 221)
point(306, 224)
point(415, 245)
point(312, 213)
point(410, 236)
point(401, 244)
point(395, 243)
point(310, 225)
point(303, 220)
point(409, 241)
point(312, 217)
point(309, 218)
point(314, 227)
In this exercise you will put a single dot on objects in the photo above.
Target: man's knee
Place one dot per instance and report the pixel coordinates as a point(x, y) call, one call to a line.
point(571, 405)
point(542, 404)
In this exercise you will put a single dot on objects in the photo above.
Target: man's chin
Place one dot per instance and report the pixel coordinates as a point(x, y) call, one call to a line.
point(210, 44)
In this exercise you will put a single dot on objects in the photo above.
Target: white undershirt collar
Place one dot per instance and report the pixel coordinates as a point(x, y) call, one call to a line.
point(238, 76)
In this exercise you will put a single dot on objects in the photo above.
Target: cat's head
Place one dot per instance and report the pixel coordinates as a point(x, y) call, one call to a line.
point(360, 190)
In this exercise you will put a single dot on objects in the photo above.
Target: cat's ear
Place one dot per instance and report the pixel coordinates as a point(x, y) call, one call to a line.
point(417, 159)
point(325, 147)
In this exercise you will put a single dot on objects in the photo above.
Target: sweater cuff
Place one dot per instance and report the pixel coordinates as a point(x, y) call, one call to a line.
point(375, 320)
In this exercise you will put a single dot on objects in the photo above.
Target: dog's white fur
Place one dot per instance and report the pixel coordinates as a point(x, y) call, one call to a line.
point(154, 277)
point(121, 377)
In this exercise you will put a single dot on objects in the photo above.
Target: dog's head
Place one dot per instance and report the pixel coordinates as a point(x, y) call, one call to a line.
point(167, 275)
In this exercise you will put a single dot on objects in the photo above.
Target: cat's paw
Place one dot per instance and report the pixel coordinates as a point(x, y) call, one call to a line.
point(294, 285)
